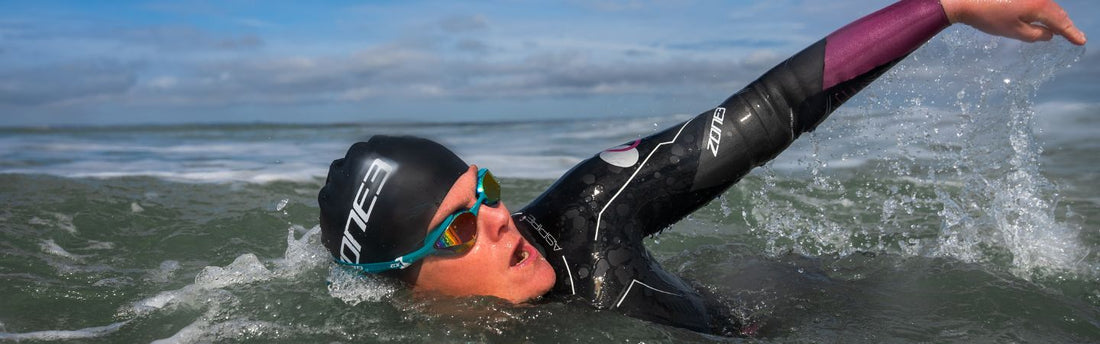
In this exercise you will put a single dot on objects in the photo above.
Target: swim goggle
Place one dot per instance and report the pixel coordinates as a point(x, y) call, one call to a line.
point(454, 236)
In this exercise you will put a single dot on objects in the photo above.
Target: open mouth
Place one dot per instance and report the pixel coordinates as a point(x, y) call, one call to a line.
point(520, 255)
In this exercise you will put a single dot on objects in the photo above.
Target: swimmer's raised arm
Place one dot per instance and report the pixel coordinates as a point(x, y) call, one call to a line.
point(658, 180)
point(1015, 19)
point(799, 93)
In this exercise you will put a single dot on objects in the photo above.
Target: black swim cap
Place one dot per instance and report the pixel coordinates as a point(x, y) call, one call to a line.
point(379, 199)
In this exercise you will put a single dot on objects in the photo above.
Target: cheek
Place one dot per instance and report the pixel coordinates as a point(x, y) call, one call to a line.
point(468, 273)
point(485, 253)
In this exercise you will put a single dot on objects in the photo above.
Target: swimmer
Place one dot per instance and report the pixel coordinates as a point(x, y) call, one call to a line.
point(411, 209)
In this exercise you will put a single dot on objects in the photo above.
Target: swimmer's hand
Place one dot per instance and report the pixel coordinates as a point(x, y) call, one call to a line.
point(1025, 20)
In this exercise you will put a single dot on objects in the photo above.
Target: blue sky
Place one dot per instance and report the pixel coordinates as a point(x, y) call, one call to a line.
point(137, 62)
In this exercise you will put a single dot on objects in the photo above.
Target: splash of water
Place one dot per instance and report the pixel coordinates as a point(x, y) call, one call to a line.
point(1007, 206)
point(210, 291)
point(947, 165)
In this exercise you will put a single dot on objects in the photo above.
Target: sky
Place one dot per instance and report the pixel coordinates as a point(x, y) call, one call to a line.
point(165, 62)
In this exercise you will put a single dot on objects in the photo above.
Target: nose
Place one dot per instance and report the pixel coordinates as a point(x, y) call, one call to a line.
point(493, 221)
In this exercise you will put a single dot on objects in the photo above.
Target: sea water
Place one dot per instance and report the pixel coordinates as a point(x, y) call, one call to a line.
point(940, 205)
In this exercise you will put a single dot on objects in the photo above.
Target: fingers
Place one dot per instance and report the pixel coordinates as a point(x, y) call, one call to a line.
point(1057, 21)
point(1026, 20)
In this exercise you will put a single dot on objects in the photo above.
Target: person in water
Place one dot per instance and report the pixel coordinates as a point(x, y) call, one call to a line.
point(410, 208)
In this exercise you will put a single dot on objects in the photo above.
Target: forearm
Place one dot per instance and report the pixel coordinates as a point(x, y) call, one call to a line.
point(853, 57)
point(795, 96)
point(880, 39)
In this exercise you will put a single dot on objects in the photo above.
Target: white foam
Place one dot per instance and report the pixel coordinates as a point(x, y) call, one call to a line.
point(208, 291)
point(526, 150)
point(99, 245)
point(353, 287)
point(51, 247)
point(164, 273)
point(246, 269)
point(228, 158)
point(136, 208)
point(62, 221)
point(208, 149)
point(230, 174)
point(150, 304)
point(206, 331)
point(301, 255)
point(84, 333)
point(114, 282)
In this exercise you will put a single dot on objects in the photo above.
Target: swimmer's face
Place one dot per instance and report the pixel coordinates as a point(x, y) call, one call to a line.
point(501, 263)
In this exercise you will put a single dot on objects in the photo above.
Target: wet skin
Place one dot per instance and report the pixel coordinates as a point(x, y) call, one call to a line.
point(501, 263)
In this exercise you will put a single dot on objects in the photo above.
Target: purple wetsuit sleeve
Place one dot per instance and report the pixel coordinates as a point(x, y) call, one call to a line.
point(879, 38)
point(799, 93)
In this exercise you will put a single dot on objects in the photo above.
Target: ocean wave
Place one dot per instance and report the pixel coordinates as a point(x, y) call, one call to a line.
point(55, 335)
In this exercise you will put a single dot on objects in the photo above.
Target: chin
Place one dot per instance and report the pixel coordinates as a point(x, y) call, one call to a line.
point(536, 284)
point(543, 279)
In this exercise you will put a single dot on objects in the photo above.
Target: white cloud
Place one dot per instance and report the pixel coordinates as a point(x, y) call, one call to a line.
point(55, 83)
point(163, 82)
point(438, 52)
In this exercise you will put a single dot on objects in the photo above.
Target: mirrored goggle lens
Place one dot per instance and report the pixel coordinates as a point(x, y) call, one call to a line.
point(490, 187)
point(459, 236)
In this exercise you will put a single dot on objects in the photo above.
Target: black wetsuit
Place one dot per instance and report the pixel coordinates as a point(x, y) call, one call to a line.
point(591, 223)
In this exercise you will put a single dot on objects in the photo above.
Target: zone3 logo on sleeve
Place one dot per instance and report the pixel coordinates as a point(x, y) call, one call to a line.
point(716, 130)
